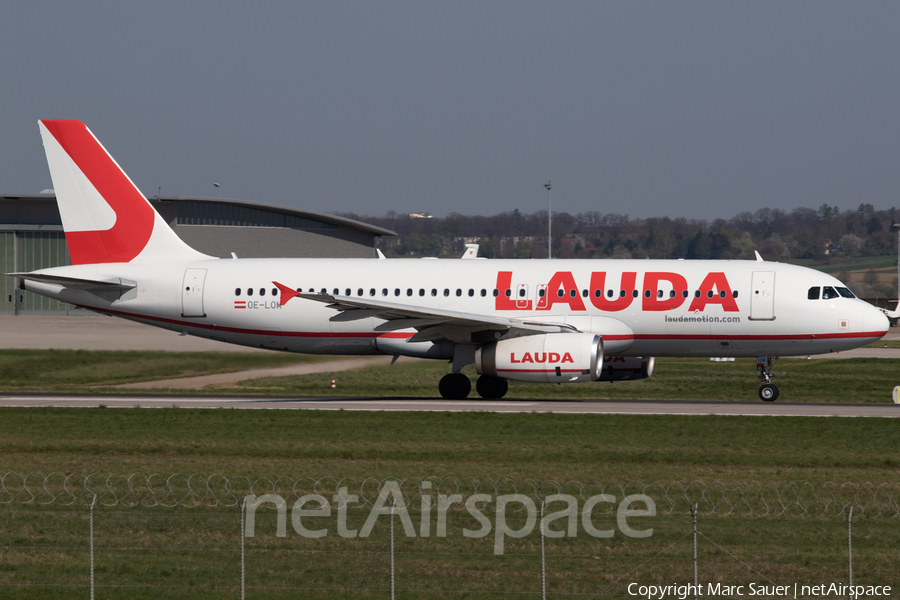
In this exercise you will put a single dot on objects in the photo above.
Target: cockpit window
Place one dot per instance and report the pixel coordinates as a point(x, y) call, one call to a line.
point(844, 292)
point(828, 293)
point(813, 293)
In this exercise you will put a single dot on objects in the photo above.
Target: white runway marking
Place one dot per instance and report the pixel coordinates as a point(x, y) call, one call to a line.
point(608, 407)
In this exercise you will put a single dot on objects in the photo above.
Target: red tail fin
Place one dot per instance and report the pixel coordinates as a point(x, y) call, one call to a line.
point(104, 215)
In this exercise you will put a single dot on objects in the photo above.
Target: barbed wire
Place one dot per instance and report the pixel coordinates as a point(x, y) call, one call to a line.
point(745, 499)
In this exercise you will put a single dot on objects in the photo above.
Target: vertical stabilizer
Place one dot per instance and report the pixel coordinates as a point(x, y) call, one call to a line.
point(105, 217)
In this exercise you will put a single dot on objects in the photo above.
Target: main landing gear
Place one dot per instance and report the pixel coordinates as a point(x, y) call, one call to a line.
point(767, 391)
point(456, 386)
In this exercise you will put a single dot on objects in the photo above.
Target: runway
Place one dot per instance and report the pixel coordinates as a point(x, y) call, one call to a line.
point(608, 407)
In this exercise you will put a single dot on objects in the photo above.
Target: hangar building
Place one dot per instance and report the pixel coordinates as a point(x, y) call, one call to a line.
point(31, 237)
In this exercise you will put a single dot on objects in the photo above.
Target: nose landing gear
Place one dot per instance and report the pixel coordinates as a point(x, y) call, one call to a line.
point(767, 391)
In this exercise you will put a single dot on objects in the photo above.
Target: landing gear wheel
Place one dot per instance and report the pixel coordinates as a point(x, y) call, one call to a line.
point(490, 387)
point(455, 386)
point(768, 393)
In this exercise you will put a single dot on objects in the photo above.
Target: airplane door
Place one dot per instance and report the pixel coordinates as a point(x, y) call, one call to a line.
point(192, 293)
point(762, 296)
point(541, 296)
point(522, 299)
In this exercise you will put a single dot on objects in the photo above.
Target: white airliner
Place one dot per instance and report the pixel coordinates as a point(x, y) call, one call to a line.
point(553, 321)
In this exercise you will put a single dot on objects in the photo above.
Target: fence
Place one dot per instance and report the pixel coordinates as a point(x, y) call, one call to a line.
point(202, 536)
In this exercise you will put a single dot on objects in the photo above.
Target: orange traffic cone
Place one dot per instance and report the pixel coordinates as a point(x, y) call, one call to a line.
point(333, 384)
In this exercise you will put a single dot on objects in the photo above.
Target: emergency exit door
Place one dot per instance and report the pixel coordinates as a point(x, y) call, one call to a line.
point(192, 293)
point(762, 296)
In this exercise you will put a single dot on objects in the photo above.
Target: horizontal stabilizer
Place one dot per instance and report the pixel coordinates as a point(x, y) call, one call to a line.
point(90, 285)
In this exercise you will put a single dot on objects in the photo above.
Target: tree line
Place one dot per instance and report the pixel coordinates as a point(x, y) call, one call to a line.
point(779, 235)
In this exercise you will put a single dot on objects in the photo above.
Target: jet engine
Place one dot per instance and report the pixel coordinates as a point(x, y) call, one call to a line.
point(553, 358)
point(623, 368)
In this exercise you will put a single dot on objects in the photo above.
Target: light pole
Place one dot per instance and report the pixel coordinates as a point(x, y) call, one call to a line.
point(896, 227)
point(218, 189)
point(549, 223)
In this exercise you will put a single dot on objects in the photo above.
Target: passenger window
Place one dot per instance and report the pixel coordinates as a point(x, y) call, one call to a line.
point(237, 291)
point(458, 292)
point(446, 292)
point(262, 291)
point(421, 292)
point(433, 292)
point(709, 294)
point(471, 292)
point(249, 291)
point(621, 293)
point(396, 291)
point(384, 292)
point(522, 293)
point(336, 292)
point(609, 293)
point(597, 293)
point(634, 293)
point(359, 292)
point(584, 293)
point(274, 291)
point(845, 293)
point(507, 293)
point(496, 292)
point(573, 293)
point(722, 294)
point(347, 292)
point(372, 292)
point(696, 293)
point(672, 293)
point(828, 293)
point(409, 291)
point(647, 293)
point(659, 293)
point(734, 294)
point(684, 293)
point(483, 292)
point(559, 293)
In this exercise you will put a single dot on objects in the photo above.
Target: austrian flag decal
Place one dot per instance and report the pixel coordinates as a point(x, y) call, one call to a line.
point(240, 304)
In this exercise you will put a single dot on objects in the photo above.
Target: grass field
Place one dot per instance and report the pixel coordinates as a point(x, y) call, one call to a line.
point(819, 380)
point(80, 369)
point(363, 444)
point(194, 553)
point(177, 553)
point(849, 264)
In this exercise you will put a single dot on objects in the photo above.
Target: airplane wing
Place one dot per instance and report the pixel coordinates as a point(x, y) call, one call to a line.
point(432, 324)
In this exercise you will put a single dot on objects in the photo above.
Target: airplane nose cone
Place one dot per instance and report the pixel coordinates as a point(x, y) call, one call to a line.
point(876, 322)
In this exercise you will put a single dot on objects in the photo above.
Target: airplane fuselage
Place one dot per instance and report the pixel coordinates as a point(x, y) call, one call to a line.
point(639, 307)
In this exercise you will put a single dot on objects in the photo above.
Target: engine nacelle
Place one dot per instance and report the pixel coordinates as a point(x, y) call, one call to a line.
point(547, 358)
point(623, 368)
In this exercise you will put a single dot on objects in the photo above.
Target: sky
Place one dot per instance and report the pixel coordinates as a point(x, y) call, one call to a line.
point(700, 110)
